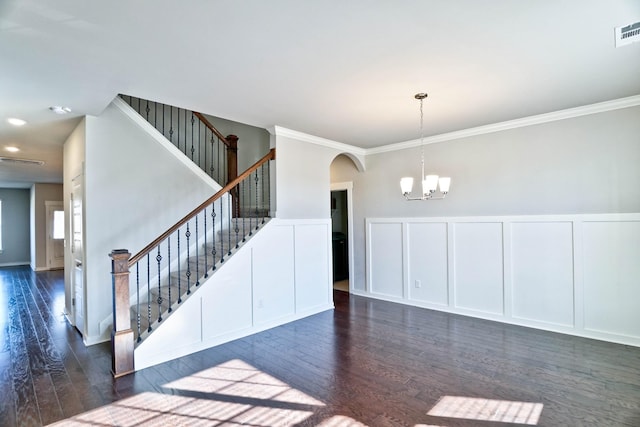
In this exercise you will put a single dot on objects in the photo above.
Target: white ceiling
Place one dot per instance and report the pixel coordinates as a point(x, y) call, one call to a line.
point(342, 70)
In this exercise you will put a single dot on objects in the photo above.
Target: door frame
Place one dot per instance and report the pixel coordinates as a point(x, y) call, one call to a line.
point(77, 306)
point(348, 186)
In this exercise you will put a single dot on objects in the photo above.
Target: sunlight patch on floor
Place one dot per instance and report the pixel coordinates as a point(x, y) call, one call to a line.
point(487, 410)
point(233, 393)
point(238, 378)
point(341, 421)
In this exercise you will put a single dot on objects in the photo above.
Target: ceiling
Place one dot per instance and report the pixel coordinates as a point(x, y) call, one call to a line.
point(342, 70)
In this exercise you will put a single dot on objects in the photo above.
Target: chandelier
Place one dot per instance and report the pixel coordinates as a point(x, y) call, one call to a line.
point(430, 183)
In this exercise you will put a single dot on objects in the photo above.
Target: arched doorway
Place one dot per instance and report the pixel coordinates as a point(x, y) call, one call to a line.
point(343, 172)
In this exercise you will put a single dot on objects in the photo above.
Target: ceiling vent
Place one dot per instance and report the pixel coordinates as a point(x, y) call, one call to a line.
point(13, 160)
point(627, 34)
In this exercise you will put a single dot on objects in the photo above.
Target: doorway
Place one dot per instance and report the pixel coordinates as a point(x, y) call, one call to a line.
point(342, 234)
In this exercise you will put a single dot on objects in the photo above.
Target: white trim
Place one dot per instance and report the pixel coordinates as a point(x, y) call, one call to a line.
point(289, 133)
point(600, 107)
point(569, 113)
point(576, 326)
point(15, 264)
point(153, 132)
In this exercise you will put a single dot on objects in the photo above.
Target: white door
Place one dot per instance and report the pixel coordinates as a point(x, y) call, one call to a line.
point(55, 235)
point(77, 253)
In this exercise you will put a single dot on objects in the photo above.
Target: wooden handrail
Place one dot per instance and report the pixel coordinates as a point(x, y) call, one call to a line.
point(215, 131)
point(137, 257)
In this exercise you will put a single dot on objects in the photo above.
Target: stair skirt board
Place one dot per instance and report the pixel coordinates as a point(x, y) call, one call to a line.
point(288, 264)
point(146, 361)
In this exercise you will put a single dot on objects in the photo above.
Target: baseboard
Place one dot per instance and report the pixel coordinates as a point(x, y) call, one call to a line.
point(15, 264)
point(583, 333)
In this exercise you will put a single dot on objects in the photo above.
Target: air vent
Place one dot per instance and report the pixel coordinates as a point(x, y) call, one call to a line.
point(627, 34)
point(21, 161)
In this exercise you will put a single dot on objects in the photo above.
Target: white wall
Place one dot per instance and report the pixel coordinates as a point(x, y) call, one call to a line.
point(15, 227)
point(585, 164)
point(253, 142)
point(280, 275)
point(302, 171)
point(575, 274)
point(135, 189)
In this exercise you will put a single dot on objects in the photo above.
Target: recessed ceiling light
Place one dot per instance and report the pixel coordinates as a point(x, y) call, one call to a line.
point(12, 149)
point(16, 122)
point(60, 110)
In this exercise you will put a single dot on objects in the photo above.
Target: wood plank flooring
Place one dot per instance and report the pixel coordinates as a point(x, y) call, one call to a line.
point(367, 362)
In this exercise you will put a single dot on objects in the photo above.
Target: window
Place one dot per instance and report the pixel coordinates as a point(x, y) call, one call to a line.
point(0, 226)
point(58, 224)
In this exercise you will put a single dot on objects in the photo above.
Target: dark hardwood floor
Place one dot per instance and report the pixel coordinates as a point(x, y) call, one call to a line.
point(366, 363)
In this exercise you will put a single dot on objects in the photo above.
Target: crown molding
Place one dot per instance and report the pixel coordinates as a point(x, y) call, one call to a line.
point(600, 107)
point(289, 133)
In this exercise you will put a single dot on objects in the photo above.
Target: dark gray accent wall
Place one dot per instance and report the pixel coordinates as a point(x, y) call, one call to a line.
point(15, 226)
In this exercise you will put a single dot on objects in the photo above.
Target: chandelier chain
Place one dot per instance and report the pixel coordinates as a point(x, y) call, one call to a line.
point(421, 139)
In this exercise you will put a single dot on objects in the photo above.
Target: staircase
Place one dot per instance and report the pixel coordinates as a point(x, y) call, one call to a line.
point(146, 315)
point(169, 270)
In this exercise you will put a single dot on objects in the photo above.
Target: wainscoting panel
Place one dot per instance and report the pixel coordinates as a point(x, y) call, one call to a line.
point(427, 270)
point(478, 278)
point(274, 276)
point(575, 274)
point(311, 265)
point(612, 277)
point(542, 272)
point(385, 259)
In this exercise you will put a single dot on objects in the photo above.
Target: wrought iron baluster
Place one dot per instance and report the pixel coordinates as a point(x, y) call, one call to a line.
point(159, 300)
point(218, 162)
point(197, 259)
point(171, 124)
point(147, 109)
point(193, 121)
point(268, 207)
point(243, 209)
point(206, 254)
point(221, 230)
point(201, 145)
point(148, 294)
point(249, 210)
point(169, 270)
point(257, 205)
point(262, 192)
point(230, 210)
point(138, 300)
point(188, 235)
point(236, 217)
point(213, 226)
point(212, 167)
point(179, 275)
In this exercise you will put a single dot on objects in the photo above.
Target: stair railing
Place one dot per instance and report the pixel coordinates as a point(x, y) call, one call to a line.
point(168, 270)
point(193, 134)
